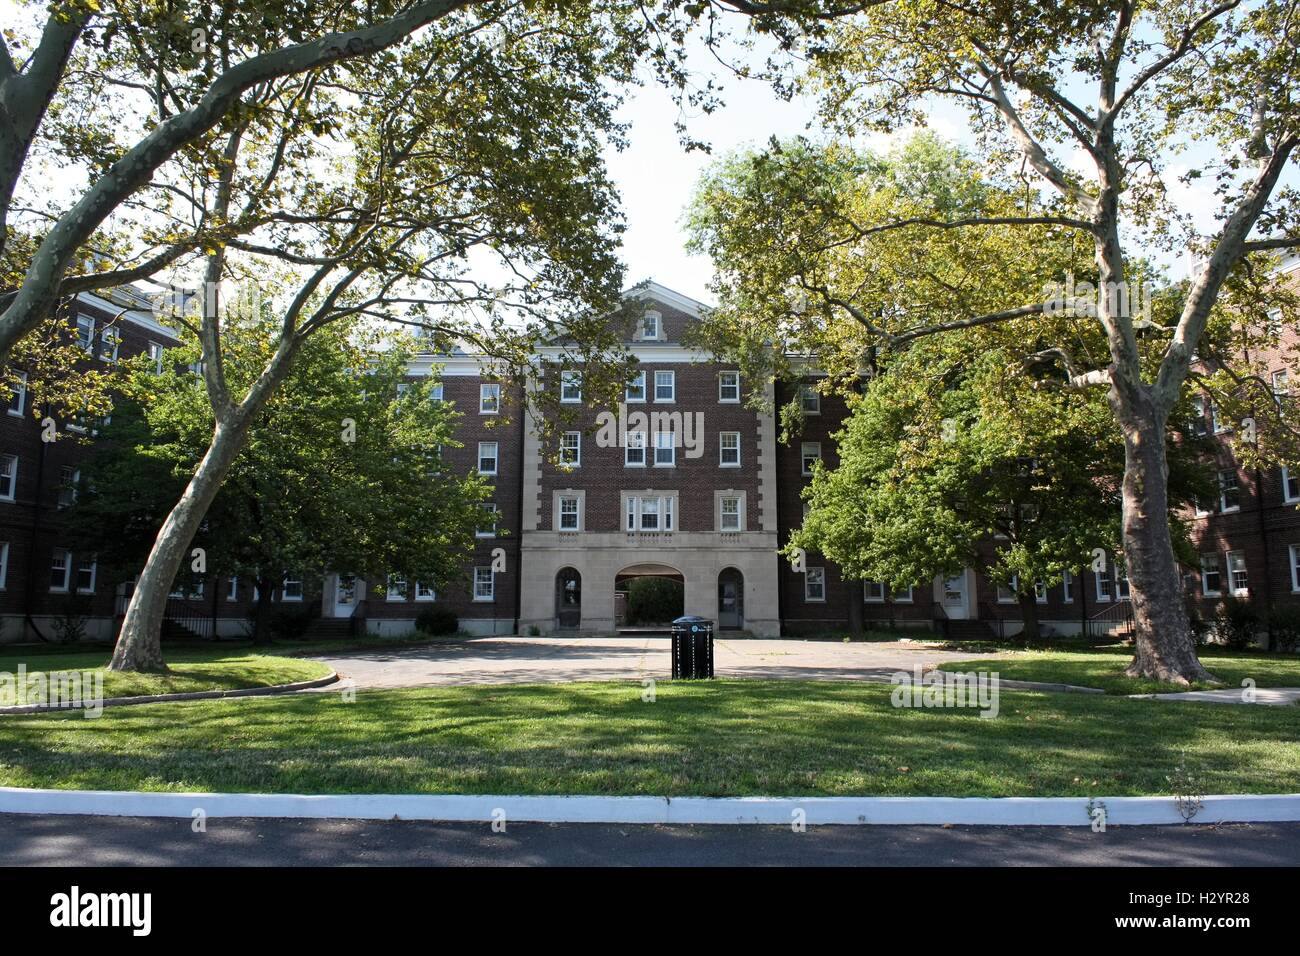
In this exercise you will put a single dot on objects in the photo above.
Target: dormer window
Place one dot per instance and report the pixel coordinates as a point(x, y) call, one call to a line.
point(650, 324)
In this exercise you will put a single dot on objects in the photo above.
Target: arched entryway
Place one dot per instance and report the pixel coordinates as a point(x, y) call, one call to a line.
point(731, 599)
point(568, 599)
point(648, 596)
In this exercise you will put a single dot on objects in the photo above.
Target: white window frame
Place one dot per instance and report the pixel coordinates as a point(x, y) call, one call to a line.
point(1287, 497)
point(1294, 551)
point(571, 387)
point(69, 480)
point(1007, 593)
point(395, 589)
point(647, 318)
point(9, 463)
point(728, 381)
point(284, 588)
point(669, 382)
point(157, 351)
point(495, 456)
point(870, 596)
point(804, 468)
point(484, 574)
point(669, 446)
point(1224, 488)
point(561, 513)
point(1281, 382)
point(813, 407)
point(723, 449)
point(1215, 425)
point(635, 513)
point(488, 507)
point(232, 588)
point(739, 515)
point(1234, 587)
point(67, 571)
point(1067, 587)
point(1216, 569)
point(637, 383)
point(435, 392)
point(635, 443)
point(87, 323)
point(1101, 583)
point(814, 578)
point(1198, 420)
point(489, 398)
point(110, 334)
point(4, 564)
point(425, 593)
point(93, 567)
point(571, 443)
point(905, 597)
point(19, 393)
point(1040, 592)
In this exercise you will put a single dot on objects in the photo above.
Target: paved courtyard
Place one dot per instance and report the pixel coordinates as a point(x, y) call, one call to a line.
point(504, 660)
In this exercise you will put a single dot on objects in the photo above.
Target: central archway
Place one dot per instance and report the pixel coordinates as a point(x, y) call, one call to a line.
point(648, 596)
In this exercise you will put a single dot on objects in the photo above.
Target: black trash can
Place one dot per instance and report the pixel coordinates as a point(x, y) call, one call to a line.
point(692, 648)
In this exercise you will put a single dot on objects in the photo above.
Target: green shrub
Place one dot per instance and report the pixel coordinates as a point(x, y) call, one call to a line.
point(1236, 623)
point(290, 623)
point(1284, 626)
point(654, 600)
point(437, 620)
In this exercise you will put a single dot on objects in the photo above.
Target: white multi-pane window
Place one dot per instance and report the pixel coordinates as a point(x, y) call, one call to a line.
point(1040, 592)
point(1229, 490)
point(571, 449)
point(1237, 573)
point(634, 450)
point(1281, 386)
point(665, 450)
point(873, 592)
point(729, 513)
point(489, 399)
point(1102, 581)
point(570, 386)
point(729, 449)
point(650, 512)
point(728, 386)
point(1295, 566)
point(810, 452)
point(1216, 423)
point(665, 386)
point(110, 341)
point(487, 458)
point(86, 571)
point(8, 477)
point(814, 584)
point(156, 353)
point(635, 391)
point(1067, 588)
point(1198, 415)
point(904, 596)
point(435, 393)
point(232, 588)
point(1290, 486)
point(650, 323)
point(291, 588)
point(1007, 592)
point(396, 587)
point(570, 513)
point(4, 564)
point(810, 400)
point(69, 478)
point(484, 584)
point(61, 571)
point(425, 592)
point(18, 397)
point(1211, 575)
point(86, 333)
point(487, 521)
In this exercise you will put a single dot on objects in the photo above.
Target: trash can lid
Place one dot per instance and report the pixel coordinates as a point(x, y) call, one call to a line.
point(692, 619)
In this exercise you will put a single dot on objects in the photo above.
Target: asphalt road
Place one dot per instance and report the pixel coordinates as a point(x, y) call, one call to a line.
point(29, 840)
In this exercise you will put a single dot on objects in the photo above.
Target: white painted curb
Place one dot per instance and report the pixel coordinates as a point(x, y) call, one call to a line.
point(967, 811)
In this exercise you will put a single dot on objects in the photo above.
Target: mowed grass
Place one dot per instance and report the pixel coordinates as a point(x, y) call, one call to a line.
point(192, 669)
point(718, 738)
point(1105, 669)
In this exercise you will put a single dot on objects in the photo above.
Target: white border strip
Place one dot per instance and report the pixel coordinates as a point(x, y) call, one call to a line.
point(967, 811)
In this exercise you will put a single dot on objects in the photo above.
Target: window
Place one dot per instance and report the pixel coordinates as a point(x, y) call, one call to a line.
point(86, 333)
point(489, 399)
point(156, 352)
point(1040, 592)
point(570, 387)
point(1281, 383)
point(728, 386)
point(60, 571)
point(435, 393)
point(873, 592)
point(396, 588)
point(1007, 592)
point(69, 478)
point(1067, 587)
point(4, 564)
point(18, 397)
point(1198, 415)
point(1295, 566)
point(1102, 580)
point(810, 452)
point(904, 596)
point(650, 512)
point(665, 449)
point(1121, 582)
point(1290, 486)
point(635, 391)
point(634, 451)
point(571, 449)
point(1198, 506)
point(487, 527)
point(570, 513)
point(109, 342)
point(729, 449)
point(814, 584)
point(650, 326)
point(8, 477)
point(1229, 491)
point(665, 386)
point(484, 584)
point(1211, 576)
point(232, 589)
point(729, 513)
point(86, 569)
point(487, 458)
point(1217, 425)
point(424, 592)
point(810, 400)
point(291, 588)
point(1237, 573)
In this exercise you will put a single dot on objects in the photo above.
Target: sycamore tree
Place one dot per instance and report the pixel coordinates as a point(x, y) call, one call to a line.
point(297, 500)
point(953, 457)
point(1100, 112)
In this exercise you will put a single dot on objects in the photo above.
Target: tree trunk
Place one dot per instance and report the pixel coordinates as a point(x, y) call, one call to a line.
point(262, 613)
point(139, 645)
point(1029, 615)
point(1165, 648)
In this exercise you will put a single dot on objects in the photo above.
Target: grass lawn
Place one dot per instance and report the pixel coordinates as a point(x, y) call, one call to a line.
point(192, 669)
point(718, 738)
point(1105, 669)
